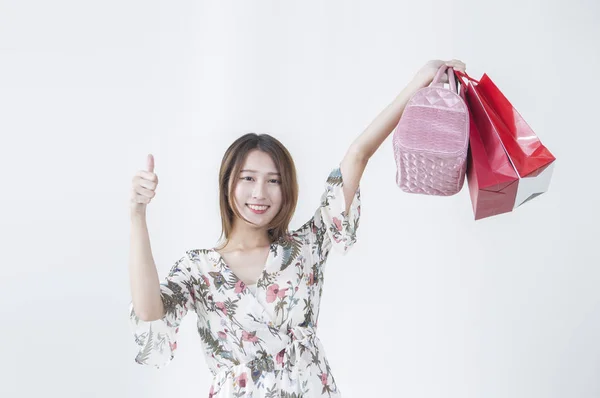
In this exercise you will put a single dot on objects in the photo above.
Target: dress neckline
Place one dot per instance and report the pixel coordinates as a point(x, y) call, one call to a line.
point(272, 247)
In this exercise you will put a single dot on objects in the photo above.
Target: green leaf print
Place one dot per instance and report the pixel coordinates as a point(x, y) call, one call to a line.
point(176, 298)
point(291, 249)
point(231, 306)
point(144, 354)
point(292, 395)
point(335, 178)
point(214, 346)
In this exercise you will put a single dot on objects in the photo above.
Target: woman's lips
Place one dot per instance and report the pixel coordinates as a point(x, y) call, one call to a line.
point(258, 211)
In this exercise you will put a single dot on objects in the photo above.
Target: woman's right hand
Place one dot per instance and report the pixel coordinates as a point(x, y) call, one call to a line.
point(143, 187)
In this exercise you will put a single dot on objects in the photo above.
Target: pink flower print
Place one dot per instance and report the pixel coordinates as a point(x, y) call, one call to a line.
point(324, 378)
point(337, 223)
point(241, 380)
point(222, 335)
point(281, 293)
point(314, 229)
point(275, 291)
point(279, 357)
point(311, 279)
point(173, 345)
point(251, 337)
point(239, 286)
point(206, 280)
point(220, 305)
point(272, 292)
point(211, 393)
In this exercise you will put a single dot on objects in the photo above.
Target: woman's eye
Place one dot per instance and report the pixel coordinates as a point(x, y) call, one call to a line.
point(248, 178)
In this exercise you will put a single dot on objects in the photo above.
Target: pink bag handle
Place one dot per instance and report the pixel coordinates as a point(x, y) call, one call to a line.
point(451, 79)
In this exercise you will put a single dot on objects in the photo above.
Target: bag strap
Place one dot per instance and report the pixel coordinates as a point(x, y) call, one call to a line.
point(451, 79)
point(463, 74)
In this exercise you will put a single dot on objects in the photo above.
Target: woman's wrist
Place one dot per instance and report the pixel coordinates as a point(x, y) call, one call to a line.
point(420, 81)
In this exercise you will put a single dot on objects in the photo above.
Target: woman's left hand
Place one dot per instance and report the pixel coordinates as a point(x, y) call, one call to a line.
point(427, 73)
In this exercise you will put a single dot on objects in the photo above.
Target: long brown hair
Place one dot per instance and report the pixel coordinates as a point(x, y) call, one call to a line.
point(232, 163)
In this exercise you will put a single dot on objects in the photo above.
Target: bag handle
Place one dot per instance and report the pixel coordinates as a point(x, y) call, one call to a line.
point(464, 74)
point(451, 79)
point(463, 84)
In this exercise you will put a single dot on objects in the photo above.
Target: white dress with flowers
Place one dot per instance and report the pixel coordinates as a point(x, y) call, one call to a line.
point(260, 340)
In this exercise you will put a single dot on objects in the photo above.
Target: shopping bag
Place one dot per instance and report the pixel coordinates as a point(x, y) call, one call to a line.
point(491, 177)
point(532, 161)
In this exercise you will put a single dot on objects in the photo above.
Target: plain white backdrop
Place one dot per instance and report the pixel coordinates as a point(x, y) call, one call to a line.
point(429, 303)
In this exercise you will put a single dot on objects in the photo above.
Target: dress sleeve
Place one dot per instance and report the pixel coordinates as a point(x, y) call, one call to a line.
point(157, 340)
point(331, 226)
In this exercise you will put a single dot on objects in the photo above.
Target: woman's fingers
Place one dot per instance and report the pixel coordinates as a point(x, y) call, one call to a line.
point(147, 175)
point(150, 163)
point(144, 184)
point(457, 64)
point(149, 193)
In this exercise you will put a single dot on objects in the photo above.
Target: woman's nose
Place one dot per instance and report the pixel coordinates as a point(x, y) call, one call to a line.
point(258, 191)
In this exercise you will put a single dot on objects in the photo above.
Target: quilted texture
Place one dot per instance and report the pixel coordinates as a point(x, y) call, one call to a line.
point(431, 140)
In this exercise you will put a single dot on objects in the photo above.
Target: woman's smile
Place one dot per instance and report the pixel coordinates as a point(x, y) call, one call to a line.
point(258, 209)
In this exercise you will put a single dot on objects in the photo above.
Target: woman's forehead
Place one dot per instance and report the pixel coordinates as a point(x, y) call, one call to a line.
point(259, 162)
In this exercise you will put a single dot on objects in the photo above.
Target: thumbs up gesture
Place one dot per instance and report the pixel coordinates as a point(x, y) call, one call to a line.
point(144, 186)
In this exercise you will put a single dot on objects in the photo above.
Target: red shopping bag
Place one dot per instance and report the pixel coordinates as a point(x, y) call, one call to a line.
point(492, 180)
point(532, 161)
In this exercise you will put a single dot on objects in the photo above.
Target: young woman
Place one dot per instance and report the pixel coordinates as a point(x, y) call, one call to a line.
point(257, 293)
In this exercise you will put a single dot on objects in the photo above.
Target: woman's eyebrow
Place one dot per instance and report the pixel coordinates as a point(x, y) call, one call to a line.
point(254, 171)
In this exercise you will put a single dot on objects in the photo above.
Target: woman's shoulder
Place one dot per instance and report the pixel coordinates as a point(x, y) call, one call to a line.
point(297, 237)
point(201, 256)
point(199, 262)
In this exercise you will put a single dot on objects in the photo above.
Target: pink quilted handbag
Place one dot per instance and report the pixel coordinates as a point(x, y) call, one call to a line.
point(432, 139)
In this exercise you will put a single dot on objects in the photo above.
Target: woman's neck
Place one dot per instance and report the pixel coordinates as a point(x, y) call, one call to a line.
point(246, 239)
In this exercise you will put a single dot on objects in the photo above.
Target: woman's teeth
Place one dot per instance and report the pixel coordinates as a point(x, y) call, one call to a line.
point(258, 208)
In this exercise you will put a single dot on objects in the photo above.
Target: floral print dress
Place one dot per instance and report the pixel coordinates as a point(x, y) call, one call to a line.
point(259, 340)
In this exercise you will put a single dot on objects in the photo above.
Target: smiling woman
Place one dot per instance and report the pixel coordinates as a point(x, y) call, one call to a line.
point(256, 170)
point(257, 294)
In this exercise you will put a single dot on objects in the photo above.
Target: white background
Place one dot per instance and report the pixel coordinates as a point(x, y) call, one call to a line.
point(429, 303)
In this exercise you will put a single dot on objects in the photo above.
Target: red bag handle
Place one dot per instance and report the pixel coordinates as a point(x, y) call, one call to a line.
point(463, 74)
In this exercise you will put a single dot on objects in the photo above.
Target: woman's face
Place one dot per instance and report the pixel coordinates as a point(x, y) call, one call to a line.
point(257, 194)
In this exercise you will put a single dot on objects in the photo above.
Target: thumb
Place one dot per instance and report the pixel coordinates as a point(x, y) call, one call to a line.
point(150, 163)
